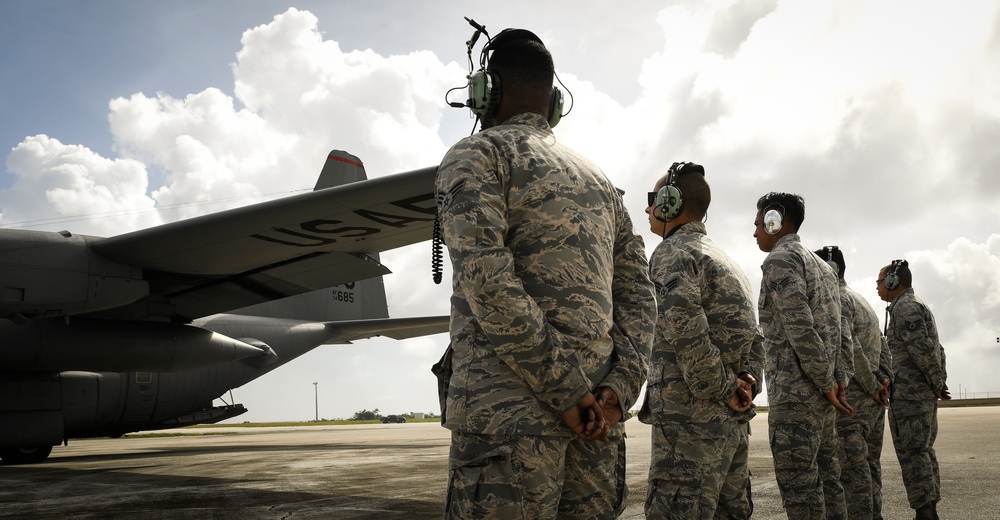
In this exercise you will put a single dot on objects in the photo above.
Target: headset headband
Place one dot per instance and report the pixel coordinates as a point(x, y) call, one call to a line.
point(484, 87)
point(510, 35)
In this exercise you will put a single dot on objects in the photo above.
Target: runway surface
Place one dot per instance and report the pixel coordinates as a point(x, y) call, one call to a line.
point(392, 471)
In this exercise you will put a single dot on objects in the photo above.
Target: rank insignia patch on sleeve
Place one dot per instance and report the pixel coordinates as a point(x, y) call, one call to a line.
point(445, 198)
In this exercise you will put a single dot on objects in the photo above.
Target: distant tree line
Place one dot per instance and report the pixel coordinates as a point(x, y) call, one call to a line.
point(367, 415)
point(374, 415)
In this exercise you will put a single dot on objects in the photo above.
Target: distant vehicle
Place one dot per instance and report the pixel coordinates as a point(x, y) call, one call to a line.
point(393, 419)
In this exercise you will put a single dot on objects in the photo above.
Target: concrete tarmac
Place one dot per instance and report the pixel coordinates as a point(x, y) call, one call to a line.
point(393, 471)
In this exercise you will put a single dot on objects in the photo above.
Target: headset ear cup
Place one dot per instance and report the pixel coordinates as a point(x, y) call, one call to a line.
point(772, 221)
point(494, 102)
point(479, 93)
point(669, 202)
point(484, 94)
point(555, 107)
point(892, 278)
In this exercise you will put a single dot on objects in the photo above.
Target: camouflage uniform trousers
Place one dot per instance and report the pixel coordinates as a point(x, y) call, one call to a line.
point(735, 500)
point(876, 436)
point(532, 477)
point(914, 428)
point(857, 472)
point(689, 463)
point(805, 446)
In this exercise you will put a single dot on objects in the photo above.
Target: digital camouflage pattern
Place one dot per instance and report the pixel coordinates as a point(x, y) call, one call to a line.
point(799, 309)
point(755, 366)
point(705, 330)
point(919, 374)
point(518, 477)
point(875, 440)
point(863, 487)
point(875, 416)
point(917, 354)
point(800, 316)
point(551, 292)
point(855, 473)
point(804, 445)
point(914, 428)
point(871, 349)
point(688, 466)
point(735, 496)
point(848, 354)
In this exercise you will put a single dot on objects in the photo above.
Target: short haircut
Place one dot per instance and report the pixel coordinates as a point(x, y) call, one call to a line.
point(835, 255)
point(697, 193)
point(523, 63)
point(792, 207)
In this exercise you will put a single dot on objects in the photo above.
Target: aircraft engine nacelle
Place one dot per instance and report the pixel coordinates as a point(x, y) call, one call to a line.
point(100, 345)
point(45, 274)
point(38, 410)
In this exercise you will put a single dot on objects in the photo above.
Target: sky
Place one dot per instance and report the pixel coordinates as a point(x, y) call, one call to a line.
point(884, 115)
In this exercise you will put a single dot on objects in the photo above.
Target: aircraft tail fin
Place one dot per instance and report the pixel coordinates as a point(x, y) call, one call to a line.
point(340, 168)
point(358, 300)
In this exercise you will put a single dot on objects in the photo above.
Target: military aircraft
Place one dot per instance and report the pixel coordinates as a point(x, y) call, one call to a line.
point(143, 331)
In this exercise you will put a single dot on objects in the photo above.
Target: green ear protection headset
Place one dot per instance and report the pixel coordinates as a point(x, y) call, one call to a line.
point(892, 277)
point(669, 200)
point(485, 89)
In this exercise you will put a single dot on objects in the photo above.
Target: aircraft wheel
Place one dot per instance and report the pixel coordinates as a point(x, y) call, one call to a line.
point(25, 455)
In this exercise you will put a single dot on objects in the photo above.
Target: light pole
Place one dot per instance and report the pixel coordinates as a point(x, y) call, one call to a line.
point(316, 392)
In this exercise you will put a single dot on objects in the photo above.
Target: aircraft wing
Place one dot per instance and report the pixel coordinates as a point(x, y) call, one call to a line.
point(395, 328)
point(231, 259)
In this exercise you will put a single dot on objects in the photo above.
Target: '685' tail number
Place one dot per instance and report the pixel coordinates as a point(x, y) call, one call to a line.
point(344, 296)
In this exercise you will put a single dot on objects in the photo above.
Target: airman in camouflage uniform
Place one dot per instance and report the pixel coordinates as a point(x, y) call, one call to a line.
point(799, 309)
point(868, 397)
point(871, 413)
point(706, 326)
point(920, 380)
point(552, 311)
point(735, 496)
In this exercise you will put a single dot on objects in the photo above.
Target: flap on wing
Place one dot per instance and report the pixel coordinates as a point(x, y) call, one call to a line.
point(274, 282)
point(368, 216)
point(188, 297)
point(395, 328)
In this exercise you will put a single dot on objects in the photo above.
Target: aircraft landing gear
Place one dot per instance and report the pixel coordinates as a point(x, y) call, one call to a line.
point(25, 455)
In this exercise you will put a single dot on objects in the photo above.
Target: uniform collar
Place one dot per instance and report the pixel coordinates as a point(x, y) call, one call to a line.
point(530, 119)
point(908, 290)
point(787, 241)
point(791, 237)
point(688, 227)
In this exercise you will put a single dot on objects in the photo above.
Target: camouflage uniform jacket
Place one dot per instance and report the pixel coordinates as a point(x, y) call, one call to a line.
point(551, 292)
point(705, 329)
point(800, 316)
point(917, 355)
point(847, 355)
point(872, 360)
